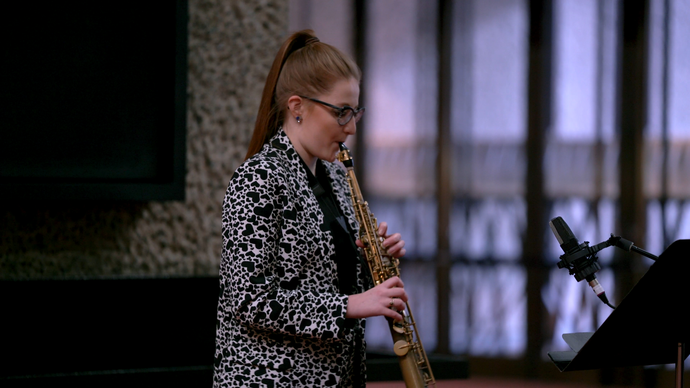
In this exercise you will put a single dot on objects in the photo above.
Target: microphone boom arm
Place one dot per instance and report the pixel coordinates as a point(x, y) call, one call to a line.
point(628, 246)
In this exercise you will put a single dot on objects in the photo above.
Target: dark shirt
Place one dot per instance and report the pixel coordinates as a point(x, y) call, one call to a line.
point(346, 255)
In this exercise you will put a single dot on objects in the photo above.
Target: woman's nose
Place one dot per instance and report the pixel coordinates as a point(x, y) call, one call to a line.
point(351, 127)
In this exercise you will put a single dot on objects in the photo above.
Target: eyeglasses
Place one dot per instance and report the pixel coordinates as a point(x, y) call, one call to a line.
point(344, 114)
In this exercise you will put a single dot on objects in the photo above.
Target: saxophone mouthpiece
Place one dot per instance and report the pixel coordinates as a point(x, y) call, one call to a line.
point(344, 156)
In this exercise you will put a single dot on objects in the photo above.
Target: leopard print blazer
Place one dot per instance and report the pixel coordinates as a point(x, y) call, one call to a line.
point(281, 320)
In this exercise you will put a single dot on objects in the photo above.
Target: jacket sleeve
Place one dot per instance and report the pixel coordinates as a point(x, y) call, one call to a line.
point(260, 278)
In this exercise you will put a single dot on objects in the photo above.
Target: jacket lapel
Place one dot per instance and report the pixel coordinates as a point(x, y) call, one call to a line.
point(299, 181)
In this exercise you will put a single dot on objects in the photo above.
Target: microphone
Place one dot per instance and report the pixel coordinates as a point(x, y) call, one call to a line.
point(580, 259)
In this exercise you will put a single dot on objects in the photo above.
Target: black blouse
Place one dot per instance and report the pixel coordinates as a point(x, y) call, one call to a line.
point(334, 221)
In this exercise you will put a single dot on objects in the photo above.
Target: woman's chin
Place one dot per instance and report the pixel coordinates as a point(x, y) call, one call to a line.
point(332, 156)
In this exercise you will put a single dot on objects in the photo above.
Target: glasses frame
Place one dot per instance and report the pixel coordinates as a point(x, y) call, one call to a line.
point(342, 111)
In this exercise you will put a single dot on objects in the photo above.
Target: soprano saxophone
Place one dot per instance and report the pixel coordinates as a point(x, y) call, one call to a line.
point(407, 344)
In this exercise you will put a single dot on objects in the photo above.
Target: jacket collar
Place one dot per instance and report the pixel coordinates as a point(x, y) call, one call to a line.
point(281, 142)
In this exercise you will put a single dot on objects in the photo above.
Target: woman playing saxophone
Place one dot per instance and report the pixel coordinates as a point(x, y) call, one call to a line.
point(294, 290)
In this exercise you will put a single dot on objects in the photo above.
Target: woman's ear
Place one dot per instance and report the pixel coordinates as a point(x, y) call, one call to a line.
point(295, 106)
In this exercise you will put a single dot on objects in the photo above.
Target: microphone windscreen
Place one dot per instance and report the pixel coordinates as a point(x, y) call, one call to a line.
point(563, 234)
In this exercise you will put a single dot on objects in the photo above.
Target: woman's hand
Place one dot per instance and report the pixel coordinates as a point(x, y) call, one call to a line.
point(394, 244)
point(385, 299)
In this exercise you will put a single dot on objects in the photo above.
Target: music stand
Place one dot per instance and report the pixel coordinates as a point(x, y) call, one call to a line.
point(650, 326)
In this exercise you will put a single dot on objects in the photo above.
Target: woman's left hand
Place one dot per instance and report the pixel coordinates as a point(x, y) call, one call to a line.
point(394, 244)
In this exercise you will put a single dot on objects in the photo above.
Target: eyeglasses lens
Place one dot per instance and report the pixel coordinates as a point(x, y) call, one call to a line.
point(359, 114)
point(348, 114)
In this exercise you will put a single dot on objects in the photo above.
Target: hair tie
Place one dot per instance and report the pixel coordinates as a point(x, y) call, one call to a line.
point(311, 40)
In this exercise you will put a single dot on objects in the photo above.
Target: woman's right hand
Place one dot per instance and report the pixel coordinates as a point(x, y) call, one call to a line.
point(385, 299)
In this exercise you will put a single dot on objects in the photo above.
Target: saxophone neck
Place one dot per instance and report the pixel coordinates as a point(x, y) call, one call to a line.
point(346, 159)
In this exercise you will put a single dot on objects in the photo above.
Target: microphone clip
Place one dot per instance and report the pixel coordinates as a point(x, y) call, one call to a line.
point(582, 262)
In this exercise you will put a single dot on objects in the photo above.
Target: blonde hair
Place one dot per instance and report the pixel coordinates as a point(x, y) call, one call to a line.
point(303, 66)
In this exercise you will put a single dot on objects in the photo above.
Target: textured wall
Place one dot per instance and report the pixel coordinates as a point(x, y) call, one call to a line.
point(231, 47)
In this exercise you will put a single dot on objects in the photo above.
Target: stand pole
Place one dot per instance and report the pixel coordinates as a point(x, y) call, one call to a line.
point(680, 368)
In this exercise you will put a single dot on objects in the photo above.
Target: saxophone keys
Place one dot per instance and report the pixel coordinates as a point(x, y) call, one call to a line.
point(401, 347)
point(398, 327)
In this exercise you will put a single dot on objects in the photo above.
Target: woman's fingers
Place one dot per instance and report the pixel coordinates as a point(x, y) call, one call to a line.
point(398, 293)
point(398, 304)
point(394, 290)
point(387, 299)
point(393, 244)
point(383, 228)
point(393, 314)
point(392, 282)
point(393, 308)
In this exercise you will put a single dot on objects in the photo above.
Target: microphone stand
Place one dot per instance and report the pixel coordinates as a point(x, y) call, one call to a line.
point(585, 269)
point(581, 261)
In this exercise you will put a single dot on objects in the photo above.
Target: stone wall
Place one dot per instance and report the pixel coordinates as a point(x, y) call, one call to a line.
point(232, 44)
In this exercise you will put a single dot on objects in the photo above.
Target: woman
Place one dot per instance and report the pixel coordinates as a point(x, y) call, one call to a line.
point(293, 297)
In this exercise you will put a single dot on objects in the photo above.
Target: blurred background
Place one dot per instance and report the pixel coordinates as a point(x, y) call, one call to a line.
point(485, 119)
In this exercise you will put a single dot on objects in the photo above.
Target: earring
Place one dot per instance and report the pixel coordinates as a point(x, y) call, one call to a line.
point(299, 119)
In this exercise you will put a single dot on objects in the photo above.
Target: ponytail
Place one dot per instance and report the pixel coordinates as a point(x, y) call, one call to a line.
point(313, 69)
